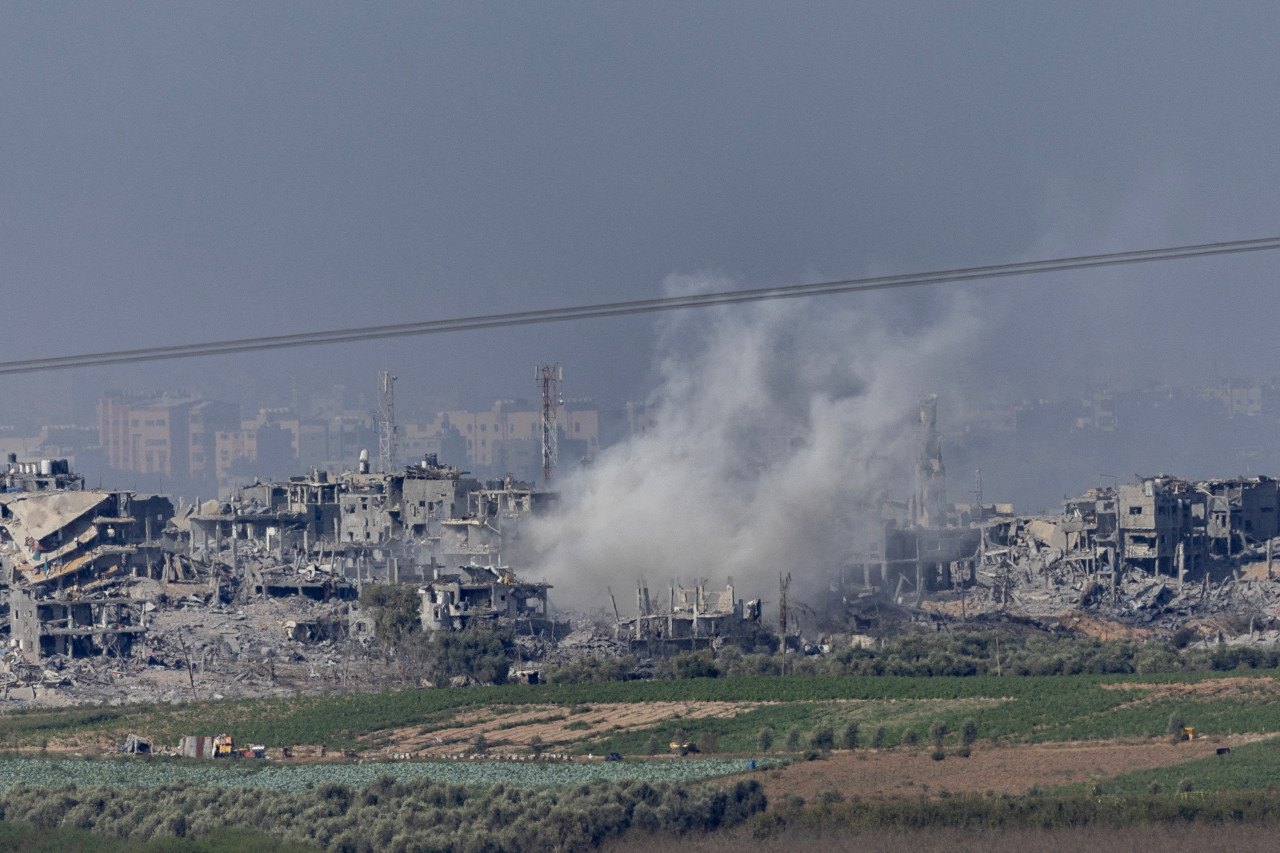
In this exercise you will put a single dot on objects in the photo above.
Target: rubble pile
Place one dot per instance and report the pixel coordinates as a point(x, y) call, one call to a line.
point(110, 596)
point(199, 647)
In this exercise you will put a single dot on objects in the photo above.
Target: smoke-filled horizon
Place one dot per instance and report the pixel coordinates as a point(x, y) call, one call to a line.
point(776, 430)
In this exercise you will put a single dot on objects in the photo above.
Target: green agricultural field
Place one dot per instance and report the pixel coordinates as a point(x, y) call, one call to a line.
point(1025, 708)
point(483, 804)
point(296, 778)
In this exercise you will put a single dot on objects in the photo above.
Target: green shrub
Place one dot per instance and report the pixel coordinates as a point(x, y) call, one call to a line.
point(849, 735)
point(764, 740)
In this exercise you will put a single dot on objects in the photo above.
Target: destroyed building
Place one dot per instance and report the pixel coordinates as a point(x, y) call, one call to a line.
point(486, 596)
point(76, 627)
point(695, 617)
point(60, 546)
point(1162, 548)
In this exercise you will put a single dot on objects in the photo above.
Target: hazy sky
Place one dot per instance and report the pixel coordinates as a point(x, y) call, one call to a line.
point(176, 172)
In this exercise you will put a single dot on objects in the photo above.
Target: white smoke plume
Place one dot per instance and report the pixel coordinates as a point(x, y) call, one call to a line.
point(775, 428)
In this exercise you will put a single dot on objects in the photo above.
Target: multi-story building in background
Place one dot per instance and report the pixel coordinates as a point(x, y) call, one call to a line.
point(507, 438)
point(169, 434)
point(186, 438)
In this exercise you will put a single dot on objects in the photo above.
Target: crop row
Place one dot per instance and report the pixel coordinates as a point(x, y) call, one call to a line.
point(303, 777)
point(1045, 708)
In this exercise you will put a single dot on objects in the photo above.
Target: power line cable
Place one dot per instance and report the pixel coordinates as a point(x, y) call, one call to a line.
point(641, 306)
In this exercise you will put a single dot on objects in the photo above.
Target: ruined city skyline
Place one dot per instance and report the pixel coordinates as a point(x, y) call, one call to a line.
point(176, 175)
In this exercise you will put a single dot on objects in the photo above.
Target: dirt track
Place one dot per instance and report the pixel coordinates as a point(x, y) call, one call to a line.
point(1004, 769)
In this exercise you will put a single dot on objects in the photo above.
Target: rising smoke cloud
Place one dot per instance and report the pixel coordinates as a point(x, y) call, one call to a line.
point(774, 429)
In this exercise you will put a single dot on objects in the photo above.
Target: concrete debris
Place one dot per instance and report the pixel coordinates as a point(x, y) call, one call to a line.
point(110, 596)
point(113, 597)
point(1156, 557)
point(135, 745)
point(694, 618)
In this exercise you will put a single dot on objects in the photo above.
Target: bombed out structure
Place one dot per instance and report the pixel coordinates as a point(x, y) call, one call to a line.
point(61, 548)
point(83, 572)
point(69, 555)
point(695, 617)
point(1163, 546)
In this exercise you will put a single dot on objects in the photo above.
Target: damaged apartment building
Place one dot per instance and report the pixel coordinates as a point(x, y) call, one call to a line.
point(326, 536)
point(470, 585)
point(695, 617)
point(66, 552)
point(62, 548)
point(486, 596)
point(1108, 547)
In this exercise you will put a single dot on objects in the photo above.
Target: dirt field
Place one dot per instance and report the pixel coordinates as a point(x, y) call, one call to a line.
point(1182, 838)
point(556, 725)
point(552, 724)
point(1010, 769)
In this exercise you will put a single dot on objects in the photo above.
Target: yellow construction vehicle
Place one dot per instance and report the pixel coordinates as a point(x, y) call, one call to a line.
point(1188, 733)
point(223, 746)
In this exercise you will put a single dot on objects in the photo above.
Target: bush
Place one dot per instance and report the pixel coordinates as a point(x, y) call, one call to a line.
point(695, 665)
point(938, 753)
point(793, 739)
point(482, 656)
point(910, 737)
point(764, 740)
point(937, 732)
point(822, 738)
point(877, 738)
point(849, 735)
point(830, 796)
point(707, 743)
point(395, 611)
point(969, 732)
point(652, 746)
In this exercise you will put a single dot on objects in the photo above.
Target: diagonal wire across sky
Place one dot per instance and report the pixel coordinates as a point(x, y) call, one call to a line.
point(641, 306)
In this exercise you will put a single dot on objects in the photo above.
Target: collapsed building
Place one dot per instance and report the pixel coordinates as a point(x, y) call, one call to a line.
point(90, 573)
point(61, 547)
point(695, 617)
point(486, 596)
point(1163, 550)
point(74, 563)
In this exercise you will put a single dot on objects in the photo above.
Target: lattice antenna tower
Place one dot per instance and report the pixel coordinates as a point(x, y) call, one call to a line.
point(387, 421)
point(549, 377)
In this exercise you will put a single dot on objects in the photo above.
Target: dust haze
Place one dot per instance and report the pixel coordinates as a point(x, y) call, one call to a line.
point(774, 431)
